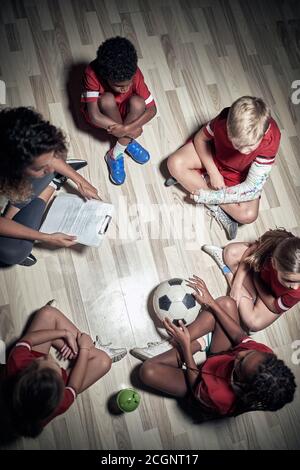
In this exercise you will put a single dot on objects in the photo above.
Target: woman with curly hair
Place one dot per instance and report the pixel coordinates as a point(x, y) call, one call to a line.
point(238, 375)
point(264, 276)
point(115, 97)
point(32, 167)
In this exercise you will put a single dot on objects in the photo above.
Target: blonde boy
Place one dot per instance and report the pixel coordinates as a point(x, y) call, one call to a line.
point(228, 161)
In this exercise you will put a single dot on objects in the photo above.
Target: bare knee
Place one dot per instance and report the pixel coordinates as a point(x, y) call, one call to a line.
point(248, 216)
point(105, 362)
point(46, 315)
point(175, 163)
point(137, 104)
point(227, 303)
point(148, 372)
point(232, 254)
point(107, 102)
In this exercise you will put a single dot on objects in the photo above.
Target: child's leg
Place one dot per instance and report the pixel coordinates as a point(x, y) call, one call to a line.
point(232, 255)
point(108, 106)
point(136, 108)
point(183, 164)
point(164, 372)
point(244, 212)
point(98, 365)
point(254, 313)
point(50, 318)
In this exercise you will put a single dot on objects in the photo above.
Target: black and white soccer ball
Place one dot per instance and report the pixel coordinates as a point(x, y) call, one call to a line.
point(174, 299)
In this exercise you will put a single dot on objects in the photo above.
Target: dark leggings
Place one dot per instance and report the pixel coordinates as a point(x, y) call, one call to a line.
point(13, 250)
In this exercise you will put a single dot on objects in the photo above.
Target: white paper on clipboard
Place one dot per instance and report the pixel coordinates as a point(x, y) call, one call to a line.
point(87, 220)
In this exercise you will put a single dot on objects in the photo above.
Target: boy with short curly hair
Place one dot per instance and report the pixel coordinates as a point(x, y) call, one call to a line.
point(116, 98)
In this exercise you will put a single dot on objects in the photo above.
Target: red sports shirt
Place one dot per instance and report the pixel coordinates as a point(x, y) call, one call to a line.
point(214, 388)
point(93, 87)
point(232, 164)
point(20, 357)
point(285, 297)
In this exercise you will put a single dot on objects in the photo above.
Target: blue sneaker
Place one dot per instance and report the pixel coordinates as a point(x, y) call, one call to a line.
point(116, 168)
point(137, 152)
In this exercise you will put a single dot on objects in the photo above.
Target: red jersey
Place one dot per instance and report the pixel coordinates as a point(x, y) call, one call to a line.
point(285, 297)
point(214, 388)
point(20, 357)
point(94, 87)
point(232, 164)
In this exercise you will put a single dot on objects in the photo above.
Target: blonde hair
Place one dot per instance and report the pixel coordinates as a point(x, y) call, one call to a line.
point(280, 245)
point(248, 120)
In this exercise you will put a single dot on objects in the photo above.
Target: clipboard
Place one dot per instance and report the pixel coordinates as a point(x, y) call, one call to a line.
point(87, 220)
point(105, 225)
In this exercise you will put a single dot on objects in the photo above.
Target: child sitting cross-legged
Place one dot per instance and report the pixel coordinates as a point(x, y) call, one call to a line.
point(39, 389)
point(238, 375)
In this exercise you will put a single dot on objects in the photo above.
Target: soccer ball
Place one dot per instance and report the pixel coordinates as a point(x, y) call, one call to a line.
point(174, 299)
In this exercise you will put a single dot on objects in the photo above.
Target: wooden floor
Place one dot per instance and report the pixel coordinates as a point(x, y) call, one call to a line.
point(197, 57)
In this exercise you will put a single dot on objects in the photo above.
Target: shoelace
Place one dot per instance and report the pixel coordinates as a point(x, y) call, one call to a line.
point(213, 216)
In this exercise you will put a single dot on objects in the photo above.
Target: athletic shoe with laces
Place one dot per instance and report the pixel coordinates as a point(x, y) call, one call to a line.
point(59, 180)
point(30, 260)
point(216, 252)
point(152, 349)
point(225, 221)
point(116, 354)
point(115, 167)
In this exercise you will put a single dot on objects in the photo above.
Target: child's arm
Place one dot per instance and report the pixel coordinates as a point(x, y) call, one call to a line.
point(231, 327)
point(78, 372)
point(43, 336)
point(202, 146)
point(182, 336)
point(248, 190)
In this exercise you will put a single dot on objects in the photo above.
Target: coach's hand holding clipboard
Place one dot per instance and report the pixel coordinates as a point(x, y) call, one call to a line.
point(87, 220)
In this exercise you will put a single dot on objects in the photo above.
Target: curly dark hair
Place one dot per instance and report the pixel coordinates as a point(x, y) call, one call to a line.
point(24, 136)
point(270, 388)
point(116, 60)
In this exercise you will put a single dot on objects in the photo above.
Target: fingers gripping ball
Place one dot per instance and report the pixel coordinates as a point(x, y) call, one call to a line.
point(173, 299)
point(128, 400)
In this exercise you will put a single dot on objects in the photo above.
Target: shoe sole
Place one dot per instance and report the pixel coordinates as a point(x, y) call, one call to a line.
point(110, 177)
point(119, 357)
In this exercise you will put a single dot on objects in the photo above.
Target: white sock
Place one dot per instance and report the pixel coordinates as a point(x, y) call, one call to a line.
point(118, 150)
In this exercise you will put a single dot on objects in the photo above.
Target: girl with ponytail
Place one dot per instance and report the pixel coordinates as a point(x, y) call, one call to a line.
point(264, 276)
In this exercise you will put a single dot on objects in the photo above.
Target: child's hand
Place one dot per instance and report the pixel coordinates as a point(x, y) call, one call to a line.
point(217, 181)
point(180, 334)
point(70, 343)
point(84, 341)
point(135, 133)
point(201, 294)
point(66, 353)
point(117, 130)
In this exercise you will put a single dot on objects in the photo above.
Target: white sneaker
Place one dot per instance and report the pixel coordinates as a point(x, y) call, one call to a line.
point(216, 252)
point(116, 354)
point(230, 226)
point(151, 350)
